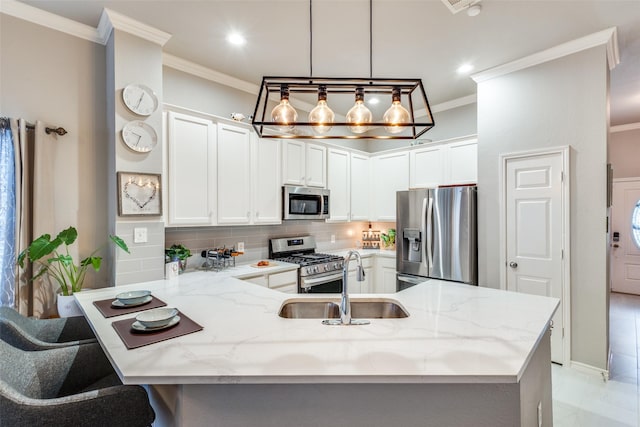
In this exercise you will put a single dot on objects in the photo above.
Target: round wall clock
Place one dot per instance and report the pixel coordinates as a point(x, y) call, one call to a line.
point(140, 99)
point(139, 136)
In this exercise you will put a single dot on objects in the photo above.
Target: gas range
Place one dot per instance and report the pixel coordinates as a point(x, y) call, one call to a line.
point(318, 272)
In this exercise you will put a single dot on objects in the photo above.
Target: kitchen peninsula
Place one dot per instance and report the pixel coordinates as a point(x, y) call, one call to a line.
point(465, 356)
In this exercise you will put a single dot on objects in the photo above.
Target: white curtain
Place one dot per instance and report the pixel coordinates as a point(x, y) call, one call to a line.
point(35, 154)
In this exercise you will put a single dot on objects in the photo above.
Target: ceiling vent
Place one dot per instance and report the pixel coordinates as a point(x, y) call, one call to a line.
point(456, 6)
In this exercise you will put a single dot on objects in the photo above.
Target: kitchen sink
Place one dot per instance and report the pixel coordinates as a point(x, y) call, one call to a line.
point(361, 308)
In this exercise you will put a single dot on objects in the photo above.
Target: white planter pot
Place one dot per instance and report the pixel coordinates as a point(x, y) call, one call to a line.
point(68, 307)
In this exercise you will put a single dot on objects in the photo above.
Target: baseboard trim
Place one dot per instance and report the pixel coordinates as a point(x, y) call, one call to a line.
point(591, 370)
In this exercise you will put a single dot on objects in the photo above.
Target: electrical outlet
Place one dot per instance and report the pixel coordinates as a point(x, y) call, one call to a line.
point(240, 247)
point(333, 238)
point(140, 235)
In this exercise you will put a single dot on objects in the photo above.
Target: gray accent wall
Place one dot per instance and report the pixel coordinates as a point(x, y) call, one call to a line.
point(557, 103)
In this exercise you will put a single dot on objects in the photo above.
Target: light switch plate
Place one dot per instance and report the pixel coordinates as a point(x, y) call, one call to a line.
point(333, 238)
point(240, 247)
point(140, 235)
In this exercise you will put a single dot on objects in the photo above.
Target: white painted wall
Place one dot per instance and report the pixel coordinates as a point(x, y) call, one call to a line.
point(624, 153)
point(60, 79)
point(134, 60)
point(562, 102)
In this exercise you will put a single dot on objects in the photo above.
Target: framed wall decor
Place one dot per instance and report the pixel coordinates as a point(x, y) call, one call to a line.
point(139, 194)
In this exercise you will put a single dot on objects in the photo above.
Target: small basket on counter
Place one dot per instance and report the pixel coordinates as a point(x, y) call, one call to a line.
point(218, 259)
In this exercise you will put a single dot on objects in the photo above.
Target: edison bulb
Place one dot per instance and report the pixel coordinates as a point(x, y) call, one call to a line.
point(359, 114)
point(321, 116)
point(284, 114)
point(396, 114)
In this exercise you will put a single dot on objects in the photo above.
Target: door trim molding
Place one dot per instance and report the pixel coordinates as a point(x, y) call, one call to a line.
point(563, 151)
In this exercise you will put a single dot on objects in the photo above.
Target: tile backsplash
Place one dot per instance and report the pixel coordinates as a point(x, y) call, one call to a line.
point(256, 238)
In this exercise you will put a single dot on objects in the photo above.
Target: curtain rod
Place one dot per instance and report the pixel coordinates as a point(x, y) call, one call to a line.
point(58, 130)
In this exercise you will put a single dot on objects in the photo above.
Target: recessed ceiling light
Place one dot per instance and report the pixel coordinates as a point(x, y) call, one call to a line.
point(236, 39)
point(464, 69)
point(474, 10)
point(374, 101)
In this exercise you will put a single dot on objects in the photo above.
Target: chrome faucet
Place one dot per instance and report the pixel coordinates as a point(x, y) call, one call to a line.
point(345, 302)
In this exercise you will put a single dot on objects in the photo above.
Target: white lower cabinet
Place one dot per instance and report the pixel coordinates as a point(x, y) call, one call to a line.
point(286, 281)
point(363, 287)
point(385, 275)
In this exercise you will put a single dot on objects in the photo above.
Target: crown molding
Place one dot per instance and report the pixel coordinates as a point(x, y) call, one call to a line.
point(454, 103)
point(608, 37)
point(50, 20)
point(198, 70)
point(624, 128)
point(111, 19)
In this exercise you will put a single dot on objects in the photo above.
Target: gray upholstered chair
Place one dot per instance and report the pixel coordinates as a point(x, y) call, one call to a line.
point(69, 386)
point(29, 333)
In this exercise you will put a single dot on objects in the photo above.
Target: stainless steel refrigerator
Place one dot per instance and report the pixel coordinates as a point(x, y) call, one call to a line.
point(436, 235)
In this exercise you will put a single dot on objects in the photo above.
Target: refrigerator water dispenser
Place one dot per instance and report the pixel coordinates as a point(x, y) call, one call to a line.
point(411, 242)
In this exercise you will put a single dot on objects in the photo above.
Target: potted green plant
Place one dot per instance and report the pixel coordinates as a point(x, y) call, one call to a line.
point(52, 257)
point(178, 252)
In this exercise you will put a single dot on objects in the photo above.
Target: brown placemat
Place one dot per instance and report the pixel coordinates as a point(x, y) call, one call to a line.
point(134, 339)
point(104, 306)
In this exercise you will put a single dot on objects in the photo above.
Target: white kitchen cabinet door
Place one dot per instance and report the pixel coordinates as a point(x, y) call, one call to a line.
point(191, 168)
point(294, 156)
point(363, 287)
point(427, 167)
point(354, 287)
point(316, 166)
point(390, 174)
point(338, 177)
point(286, 282)
point(234, 175)
point(385, 280)
point(267, 189)
point(360, 178)
point(463, 162)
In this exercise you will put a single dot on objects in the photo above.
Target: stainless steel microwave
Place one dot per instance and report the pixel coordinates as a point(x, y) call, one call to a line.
point(305, 203)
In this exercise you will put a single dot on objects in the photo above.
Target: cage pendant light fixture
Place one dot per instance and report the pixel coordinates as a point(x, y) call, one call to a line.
point(337, 107)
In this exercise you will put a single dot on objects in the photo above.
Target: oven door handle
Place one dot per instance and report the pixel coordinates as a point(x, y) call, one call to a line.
point(307, 283)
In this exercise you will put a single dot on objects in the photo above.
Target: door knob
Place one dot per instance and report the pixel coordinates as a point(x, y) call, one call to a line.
point(513, 264)
point(615, 245)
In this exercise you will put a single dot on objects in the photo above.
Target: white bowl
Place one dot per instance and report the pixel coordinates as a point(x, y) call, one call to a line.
point(132, 297)
point(157, 317)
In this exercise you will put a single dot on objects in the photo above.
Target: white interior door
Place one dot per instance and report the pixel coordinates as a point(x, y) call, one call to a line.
point(625, 237)
point(534, 232)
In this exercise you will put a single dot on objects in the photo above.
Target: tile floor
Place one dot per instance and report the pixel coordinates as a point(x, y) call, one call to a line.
point(585, 400)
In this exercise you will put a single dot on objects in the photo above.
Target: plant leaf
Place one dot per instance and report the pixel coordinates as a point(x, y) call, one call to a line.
point(94, 261)
point(66, 260)
point(68, 236)
point(120, 243)
point(42, 246)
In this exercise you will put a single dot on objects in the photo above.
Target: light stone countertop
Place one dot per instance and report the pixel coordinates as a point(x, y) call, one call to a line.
point(455, 334)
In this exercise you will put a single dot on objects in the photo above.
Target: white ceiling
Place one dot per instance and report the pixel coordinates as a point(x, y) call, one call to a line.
point(411, 38)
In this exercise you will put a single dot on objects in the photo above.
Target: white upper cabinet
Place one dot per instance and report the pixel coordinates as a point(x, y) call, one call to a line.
point(427, 167)
point(191, 164)
point(294, 157)
point(338, 182)
point(390, 174)
point(267, 192)
point(304, 164)
point(463, 162)
point(234, 175)
point(316, 165)
point(444, 164)
point(360, 179)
